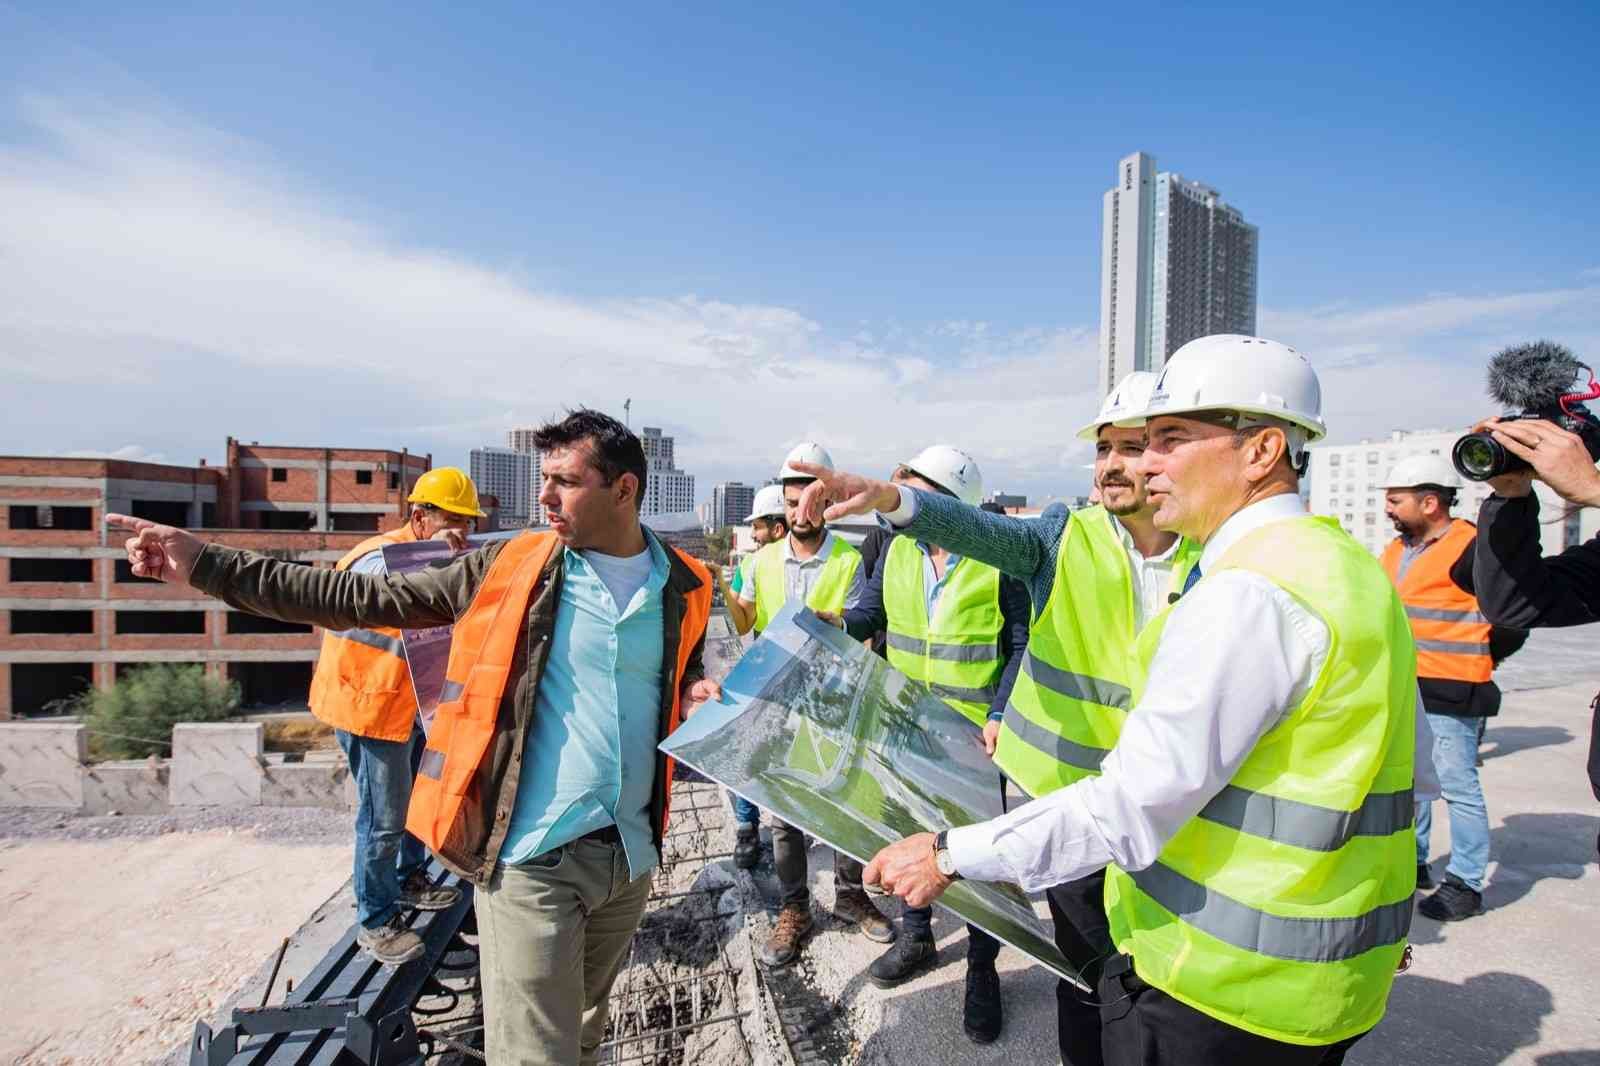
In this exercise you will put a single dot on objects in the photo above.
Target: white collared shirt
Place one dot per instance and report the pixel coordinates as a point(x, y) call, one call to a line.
point(1152, 576)
point(1237, 654)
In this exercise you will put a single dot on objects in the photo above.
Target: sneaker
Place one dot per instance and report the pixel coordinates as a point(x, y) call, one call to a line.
point(1452, 902)
point(794, 922)
point(851, 906)
point(390, 943)
point(747, 846)
point(420, 894)
point(981, 1015)
point(1424, 877)
point(909, 956)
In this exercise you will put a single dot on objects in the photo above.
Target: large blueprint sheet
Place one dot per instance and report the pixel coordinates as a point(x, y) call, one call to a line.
point(818, 730)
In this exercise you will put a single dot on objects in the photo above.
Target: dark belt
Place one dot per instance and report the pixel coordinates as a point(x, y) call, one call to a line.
point(604, 835)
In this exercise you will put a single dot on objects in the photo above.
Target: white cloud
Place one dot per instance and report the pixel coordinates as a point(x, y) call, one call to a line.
point(132, 453)
point(165, 285)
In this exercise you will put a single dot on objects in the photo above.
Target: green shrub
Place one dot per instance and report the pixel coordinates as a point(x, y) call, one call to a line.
point(134, 717)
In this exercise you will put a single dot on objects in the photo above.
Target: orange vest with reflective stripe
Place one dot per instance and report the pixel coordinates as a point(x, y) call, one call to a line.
point(1452, 634)
point(362, 684)
point(482, 646)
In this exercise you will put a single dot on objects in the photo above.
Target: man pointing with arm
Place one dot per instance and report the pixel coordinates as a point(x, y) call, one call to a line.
point(1256, 811)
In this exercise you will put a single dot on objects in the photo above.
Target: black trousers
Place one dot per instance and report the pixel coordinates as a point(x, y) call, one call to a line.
point(1143, 1026)
point(1078, 909)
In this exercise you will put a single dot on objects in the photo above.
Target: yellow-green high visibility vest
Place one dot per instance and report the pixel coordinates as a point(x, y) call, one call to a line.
point(1072, 694)
point(1282, 908)
point(956, 653)
point(828, 594)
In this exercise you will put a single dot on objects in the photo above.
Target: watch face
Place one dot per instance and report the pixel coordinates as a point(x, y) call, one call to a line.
point(944, 862)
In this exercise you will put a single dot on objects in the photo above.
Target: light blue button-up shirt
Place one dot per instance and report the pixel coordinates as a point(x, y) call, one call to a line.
point(589, 753)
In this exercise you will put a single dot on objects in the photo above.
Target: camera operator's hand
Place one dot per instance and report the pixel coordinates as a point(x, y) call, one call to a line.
point(1558, 458)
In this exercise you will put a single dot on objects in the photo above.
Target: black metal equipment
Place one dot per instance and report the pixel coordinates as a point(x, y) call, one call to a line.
point(349, 1009)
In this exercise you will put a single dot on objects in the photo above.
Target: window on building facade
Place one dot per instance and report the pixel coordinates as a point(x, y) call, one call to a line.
point(363, 477)
point(65, 571)
point(280, 473)
point(394, 480)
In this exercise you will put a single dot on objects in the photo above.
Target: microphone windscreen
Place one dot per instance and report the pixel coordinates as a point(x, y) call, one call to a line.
point(1532, 375)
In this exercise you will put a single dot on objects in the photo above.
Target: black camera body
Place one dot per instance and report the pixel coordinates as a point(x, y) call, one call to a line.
point(1538, 381)
point(1479, 457)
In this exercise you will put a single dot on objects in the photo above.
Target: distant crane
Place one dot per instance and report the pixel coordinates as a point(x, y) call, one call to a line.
point(627, 412)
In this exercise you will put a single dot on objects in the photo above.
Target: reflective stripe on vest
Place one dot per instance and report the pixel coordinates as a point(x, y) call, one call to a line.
point(1452, 635)
point(829, 592)
point(362, 683)
point(956, 653)
point(483, 646)
point(1283, 907)
point(1072, 693)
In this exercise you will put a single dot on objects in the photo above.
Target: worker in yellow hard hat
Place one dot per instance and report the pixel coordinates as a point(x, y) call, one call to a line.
point(362, 687)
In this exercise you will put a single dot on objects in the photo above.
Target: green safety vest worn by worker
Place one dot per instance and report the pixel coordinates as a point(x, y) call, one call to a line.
point(1282, 908)
point(828, 594)
point(956, 653)
point(1072, 695)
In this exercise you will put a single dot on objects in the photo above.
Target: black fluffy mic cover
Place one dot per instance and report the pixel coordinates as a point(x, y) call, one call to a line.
point(1526, 376)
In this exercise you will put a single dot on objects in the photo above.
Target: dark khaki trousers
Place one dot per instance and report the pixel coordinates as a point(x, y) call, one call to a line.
point(552, 935)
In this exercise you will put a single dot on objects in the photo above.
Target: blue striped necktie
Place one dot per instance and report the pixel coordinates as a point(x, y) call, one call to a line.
point(1188, 582)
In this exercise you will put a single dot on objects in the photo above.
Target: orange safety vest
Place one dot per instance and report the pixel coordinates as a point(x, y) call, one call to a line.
point(482, 646)
point(1452, 634)
point(363, 684)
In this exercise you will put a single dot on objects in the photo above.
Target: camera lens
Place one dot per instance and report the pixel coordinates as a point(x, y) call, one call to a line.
point(1479, 457)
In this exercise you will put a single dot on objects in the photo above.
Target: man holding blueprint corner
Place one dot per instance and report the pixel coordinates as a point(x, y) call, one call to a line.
point(1255, 813)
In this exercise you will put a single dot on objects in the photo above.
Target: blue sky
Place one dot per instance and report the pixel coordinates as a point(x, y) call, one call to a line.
point(874, 228)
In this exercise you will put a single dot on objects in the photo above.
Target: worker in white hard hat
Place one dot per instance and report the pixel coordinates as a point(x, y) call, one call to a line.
point(1430, 563)
point(767, 526)
point(1255, 814)
point(822, 570)
point(960, 627)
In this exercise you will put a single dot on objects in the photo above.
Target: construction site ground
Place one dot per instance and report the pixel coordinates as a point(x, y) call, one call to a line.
point(121, 932)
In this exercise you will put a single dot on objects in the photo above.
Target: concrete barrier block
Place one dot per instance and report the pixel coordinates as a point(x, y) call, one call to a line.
point(132, 786)
point(41, 764)
point(304, 784)
point(216, 764)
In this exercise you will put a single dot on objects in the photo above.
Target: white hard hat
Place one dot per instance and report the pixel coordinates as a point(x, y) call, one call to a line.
point(1125, 403)
point(768, 504)
point(805, 452)
point(1423, 470)
point(1250, 375)
point(951, 469)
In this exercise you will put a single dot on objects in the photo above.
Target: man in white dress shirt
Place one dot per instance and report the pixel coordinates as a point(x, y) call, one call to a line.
point(1255, 811)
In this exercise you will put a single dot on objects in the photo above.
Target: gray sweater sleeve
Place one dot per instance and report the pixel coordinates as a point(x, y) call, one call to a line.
point(1024, 548)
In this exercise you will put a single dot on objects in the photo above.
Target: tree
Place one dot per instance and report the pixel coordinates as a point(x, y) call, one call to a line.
point(719, 545)
point(134, 717)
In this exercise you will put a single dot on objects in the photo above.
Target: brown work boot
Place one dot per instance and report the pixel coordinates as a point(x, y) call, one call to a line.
point(851, 905)
point(794, 922)
point(390, 943)
point(420, 894)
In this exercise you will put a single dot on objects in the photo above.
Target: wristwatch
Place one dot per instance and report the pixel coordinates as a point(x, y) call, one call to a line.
point(942, 858)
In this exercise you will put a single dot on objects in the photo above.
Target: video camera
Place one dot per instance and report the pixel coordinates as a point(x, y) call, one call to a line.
point(1536, 381)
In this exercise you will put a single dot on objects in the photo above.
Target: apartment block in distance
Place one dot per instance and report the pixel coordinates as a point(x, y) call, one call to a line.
point(511, 477)
point(731, 503)
point(1347, 483)
point(1176, 263)
point(72, 614)
point(667, 490)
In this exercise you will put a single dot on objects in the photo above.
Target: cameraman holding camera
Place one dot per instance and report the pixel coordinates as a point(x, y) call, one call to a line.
point(1516, 585)
point(1552, 437)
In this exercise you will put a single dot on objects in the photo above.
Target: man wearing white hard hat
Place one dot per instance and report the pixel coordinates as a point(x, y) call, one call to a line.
point(1430, 563)
point(960, 627)
point(767, 526)
point(812, 566)
point(1255, 814)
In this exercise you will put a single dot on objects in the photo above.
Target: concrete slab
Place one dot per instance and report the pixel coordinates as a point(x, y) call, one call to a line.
point(1517, 986)
point(41, 764)
point(304, 784)
point(216, 764)
point(131, 786)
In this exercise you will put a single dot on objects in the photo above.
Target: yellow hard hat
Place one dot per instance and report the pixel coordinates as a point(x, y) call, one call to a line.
point(448, 489)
